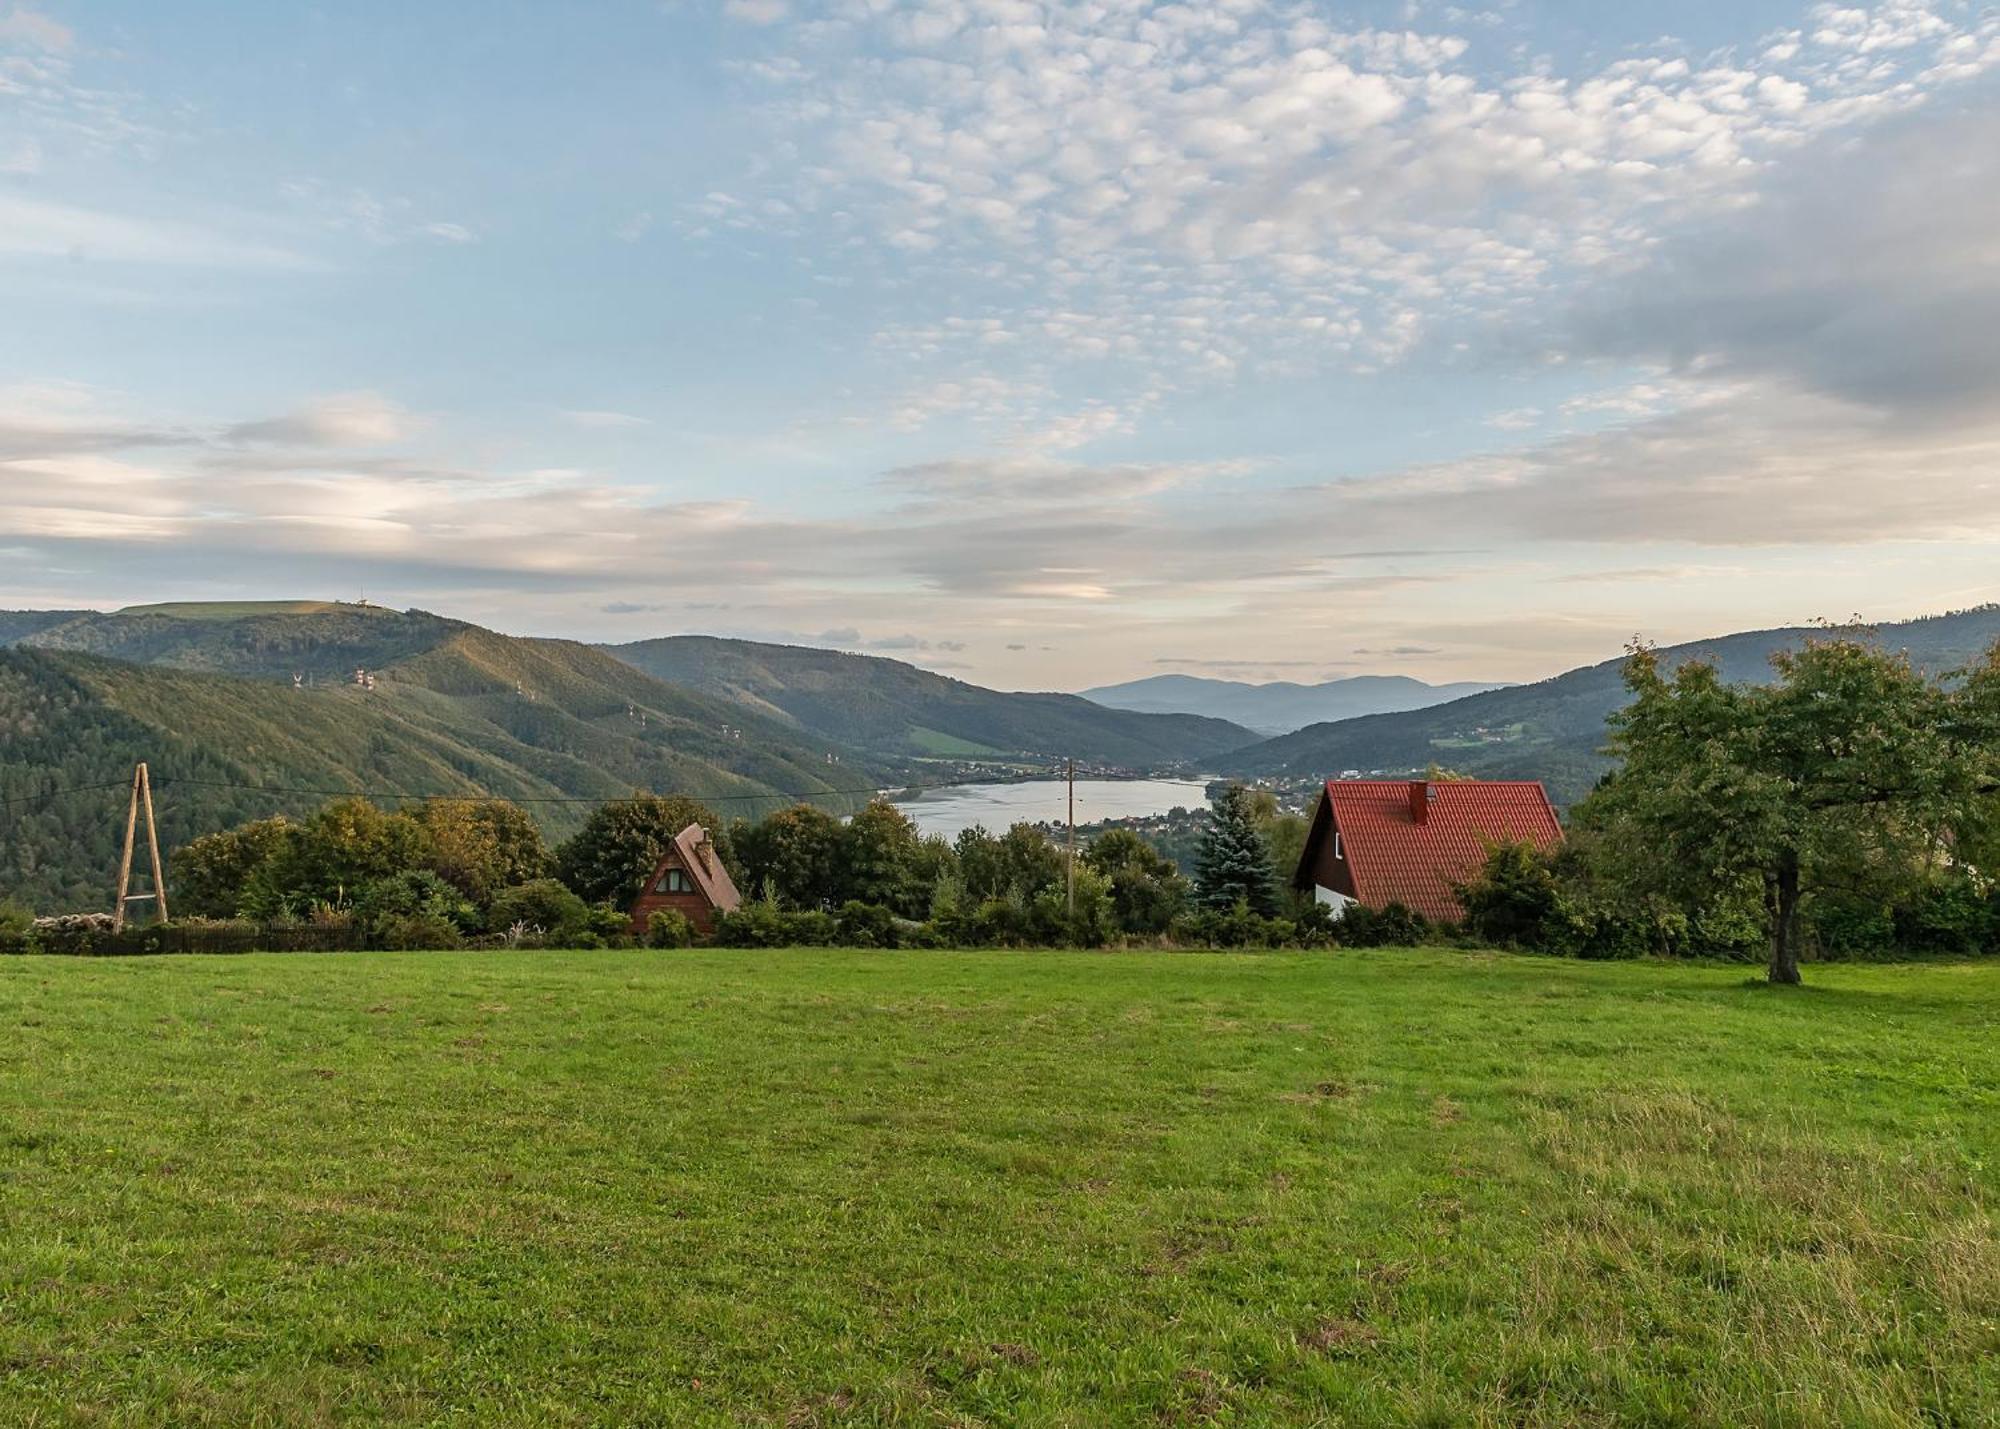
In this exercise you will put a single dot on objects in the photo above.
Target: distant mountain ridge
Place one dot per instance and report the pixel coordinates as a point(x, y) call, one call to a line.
point(897, 708)
point(247, 709)
point(209, 701)
point(1554, 730)
point(1281, 706)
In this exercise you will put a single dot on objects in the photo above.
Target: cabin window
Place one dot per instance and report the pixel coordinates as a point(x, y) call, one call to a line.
point(674, 880)
point(1337, 854)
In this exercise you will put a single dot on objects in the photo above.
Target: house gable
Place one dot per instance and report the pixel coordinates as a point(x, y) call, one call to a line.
point(1413, 841)
point(689, 879)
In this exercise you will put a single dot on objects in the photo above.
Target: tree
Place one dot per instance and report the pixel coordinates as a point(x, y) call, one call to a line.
point(1234, 863)
point(349, 843)
point(1147, 890)
point(980, 866)
point(210, 874)
point(795, 853)
point(481, 846)
point(879, 858)
point(610, 858)
point(1850, 759)
point(1514, 899)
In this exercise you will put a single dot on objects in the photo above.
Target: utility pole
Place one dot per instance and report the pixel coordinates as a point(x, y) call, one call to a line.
point(1072, 838)
point(142, 796)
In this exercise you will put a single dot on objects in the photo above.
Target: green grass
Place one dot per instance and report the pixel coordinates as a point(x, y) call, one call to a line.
point(814, 1187)
point(937, 743)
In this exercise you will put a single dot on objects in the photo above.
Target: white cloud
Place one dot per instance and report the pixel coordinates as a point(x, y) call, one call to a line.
point(347, 419)
point(45, 228)
point(756, 12)
point(1212, 192)
point(604, 420)
point(25, 26)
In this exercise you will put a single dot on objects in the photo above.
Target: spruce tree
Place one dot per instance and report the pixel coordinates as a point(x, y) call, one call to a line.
point(1234, 863)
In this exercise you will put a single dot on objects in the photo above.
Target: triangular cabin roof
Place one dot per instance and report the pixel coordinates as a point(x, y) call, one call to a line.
point(711, 879)
point(1396, 854)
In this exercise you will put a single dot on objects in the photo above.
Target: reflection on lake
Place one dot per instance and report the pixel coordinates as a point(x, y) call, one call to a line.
point(1000, 806)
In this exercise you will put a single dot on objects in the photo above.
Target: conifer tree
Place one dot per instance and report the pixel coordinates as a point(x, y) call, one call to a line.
point(1234, 863)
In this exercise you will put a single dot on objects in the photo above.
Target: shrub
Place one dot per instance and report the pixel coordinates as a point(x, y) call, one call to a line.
point(1238, 927)
point(669, 928)
point(1947, 915)
point(419, 932)
point(16, 923)
point(72, 933)
point(865, 925)
point(415, 892)
point(543, 908)
point(1391, 926)
point(1853, 927)
point(754, 925)
point(1314, 925)
point(608, 926)
point(814, 929)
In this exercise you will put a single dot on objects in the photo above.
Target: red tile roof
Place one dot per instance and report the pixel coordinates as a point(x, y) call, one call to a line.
point(1395, 859)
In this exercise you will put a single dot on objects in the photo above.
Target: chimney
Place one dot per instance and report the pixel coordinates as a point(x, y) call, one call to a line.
point(1421, 794)
point(705, 851)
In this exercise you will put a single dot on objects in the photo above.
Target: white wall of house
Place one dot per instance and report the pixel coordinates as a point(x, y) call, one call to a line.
point(1338, 902)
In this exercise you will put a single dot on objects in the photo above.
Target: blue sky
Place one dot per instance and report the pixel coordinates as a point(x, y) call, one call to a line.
point(1047, 344)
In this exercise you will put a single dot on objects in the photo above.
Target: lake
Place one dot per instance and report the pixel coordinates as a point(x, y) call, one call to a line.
point(1000, 806)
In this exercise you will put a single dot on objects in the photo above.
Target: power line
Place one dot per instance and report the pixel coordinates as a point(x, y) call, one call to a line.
point(48, 794)
point(872, 790)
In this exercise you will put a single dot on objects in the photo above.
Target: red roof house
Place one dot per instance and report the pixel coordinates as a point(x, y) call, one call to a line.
point(1382, 841)
point(690, 879)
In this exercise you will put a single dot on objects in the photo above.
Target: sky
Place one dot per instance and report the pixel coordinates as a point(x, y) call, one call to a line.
point(1043, 344)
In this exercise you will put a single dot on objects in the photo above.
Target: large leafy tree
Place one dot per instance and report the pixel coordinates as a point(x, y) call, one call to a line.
point(881, 859)
point(481, 846)
point(795, 853)
point(210, 874)
point(1850, 760)
point(620, 844)
point(348, 844)
point(1234, 863)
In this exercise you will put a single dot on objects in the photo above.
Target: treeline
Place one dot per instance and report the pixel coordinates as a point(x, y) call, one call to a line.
point(1849, 808)
point(456, 872)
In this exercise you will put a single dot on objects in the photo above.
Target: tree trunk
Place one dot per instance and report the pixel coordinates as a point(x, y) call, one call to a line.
point(1784, 919)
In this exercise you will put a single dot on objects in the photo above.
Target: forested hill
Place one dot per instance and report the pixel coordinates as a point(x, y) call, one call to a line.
point(1554, 730)
point(17, 625)
point(896, 708)
point(324, 640)
point(474, 713)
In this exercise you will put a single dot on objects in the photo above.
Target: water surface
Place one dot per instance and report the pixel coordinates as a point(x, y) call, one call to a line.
point(999, 806)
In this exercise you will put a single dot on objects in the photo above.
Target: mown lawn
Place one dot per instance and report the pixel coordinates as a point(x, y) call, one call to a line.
point(820, 1187)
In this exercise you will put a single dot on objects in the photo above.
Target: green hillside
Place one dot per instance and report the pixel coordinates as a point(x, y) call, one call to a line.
point(474, 713)
point(896, 708)
point(18, 625)
point(1554, 730)
point(319, 639)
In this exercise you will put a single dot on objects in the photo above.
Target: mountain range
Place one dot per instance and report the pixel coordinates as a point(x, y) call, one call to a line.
point(248, 709)
point(1281, 706)
point(1554, 730)
point(896, 708)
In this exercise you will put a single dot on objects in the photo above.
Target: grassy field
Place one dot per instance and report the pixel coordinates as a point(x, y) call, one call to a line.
point(814, 1187)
